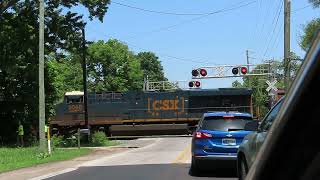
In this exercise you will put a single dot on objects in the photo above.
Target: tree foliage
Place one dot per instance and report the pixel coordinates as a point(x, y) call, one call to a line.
point(151, 66)
point(315, 3)
point(309, 32)
point(66, 75)
point(310, 29)
point(112, 67)
point(19, 55)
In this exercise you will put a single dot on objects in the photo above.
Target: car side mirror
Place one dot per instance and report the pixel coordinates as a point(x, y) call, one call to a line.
point(251, 126)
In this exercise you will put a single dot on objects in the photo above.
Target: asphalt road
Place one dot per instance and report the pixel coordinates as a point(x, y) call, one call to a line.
point(167, 158)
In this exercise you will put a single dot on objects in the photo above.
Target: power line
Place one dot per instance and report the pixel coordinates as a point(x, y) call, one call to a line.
point(161, 12)
point(277, 40)
point(279, 9)
point(264, 19)
point(275, 26)
point(170, 56)
point(275, 44)
point(299, 9)
point(257, 21)
point(233, 7)
point(263, 23)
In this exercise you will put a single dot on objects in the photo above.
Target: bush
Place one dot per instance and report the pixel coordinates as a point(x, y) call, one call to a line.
point(43, 155)
point(71, 142)
point(99, 139)
point(57, 141)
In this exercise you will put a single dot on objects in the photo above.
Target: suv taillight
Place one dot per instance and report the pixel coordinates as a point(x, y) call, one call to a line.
point(202, 135)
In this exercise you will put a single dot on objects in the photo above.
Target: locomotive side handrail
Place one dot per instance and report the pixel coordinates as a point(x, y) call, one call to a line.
point(105, 97)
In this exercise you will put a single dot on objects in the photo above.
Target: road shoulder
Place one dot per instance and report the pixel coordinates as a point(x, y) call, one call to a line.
point(49, 169)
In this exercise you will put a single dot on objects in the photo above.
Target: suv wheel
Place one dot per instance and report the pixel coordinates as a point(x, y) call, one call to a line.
point(243, 169)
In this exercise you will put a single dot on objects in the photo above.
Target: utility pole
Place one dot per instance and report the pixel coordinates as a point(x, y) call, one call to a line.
point(42, 115)
point(287, 12)
point(84, 75)
point(271, 78)
point(247, 54)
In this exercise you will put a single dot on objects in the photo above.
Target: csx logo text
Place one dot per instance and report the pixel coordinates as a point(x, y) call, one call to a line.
point(166, 104)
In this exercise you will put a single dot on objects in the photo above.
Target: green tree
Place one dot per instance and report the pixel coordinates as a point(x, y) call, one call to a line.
point(236, 84)
point(151, 66)
point(66, 75)
point(19, 54)
point(310, 29)
point(112, 67)
point(309, 32)
point(315, 3)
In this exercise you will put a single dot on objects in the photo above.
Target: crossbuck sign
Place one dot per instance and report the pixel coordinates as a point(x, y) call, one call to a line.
point(271, 85)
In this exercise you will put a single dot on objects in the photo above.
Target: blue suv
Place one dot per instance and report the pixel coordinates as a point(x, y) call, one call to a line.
point(217, 138)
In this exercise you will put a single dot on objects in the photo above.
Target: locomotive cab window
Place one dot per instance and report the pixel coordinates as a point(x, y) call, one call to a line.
point(74, 99)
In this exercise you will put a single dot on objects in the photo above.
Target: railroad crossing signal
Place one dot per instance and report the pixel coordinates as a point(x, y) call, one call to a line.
point(243, 70)
point(224, 71)
point(199, 72)
point(170, 85)
point(194, 84)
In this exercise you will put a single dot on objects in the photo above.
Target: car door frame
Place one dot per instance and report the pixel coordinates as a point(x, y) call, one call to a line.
point(259, 135)
point(263, 131)
point(289, 151)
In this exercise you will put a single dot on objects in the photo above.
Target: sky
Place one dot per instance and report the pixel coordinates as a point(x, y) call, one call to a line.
point(184, 42)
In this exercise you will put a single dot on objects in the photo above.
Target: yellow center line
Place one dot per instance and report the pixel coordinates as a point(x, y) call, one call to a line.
point(183, 155)
point(187, 156)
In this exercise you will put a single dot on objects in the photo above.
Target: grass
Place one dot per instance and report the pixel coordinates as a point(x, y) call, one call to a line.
point(105, 144)
point(112, 143)
point(15, 158)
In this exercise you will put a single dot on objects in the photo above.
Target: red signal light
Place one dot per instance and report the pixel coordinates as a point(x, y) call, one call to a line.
point(203, 72)
point(197, 83)
point(244, 70)
point(195, 72)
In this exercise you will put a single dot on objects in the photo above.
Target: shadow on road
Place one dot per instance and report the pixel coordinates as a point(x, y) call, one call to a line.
point(143, 172)
point(216, 172)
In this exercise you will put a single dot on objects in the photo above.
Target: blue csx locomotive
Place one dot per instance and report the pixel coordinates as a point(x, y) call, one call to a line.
point(134, 113)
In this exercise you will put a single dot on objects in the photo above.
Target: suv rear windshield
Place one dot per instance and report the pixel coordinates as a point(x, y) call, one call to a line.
point(221, 124)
